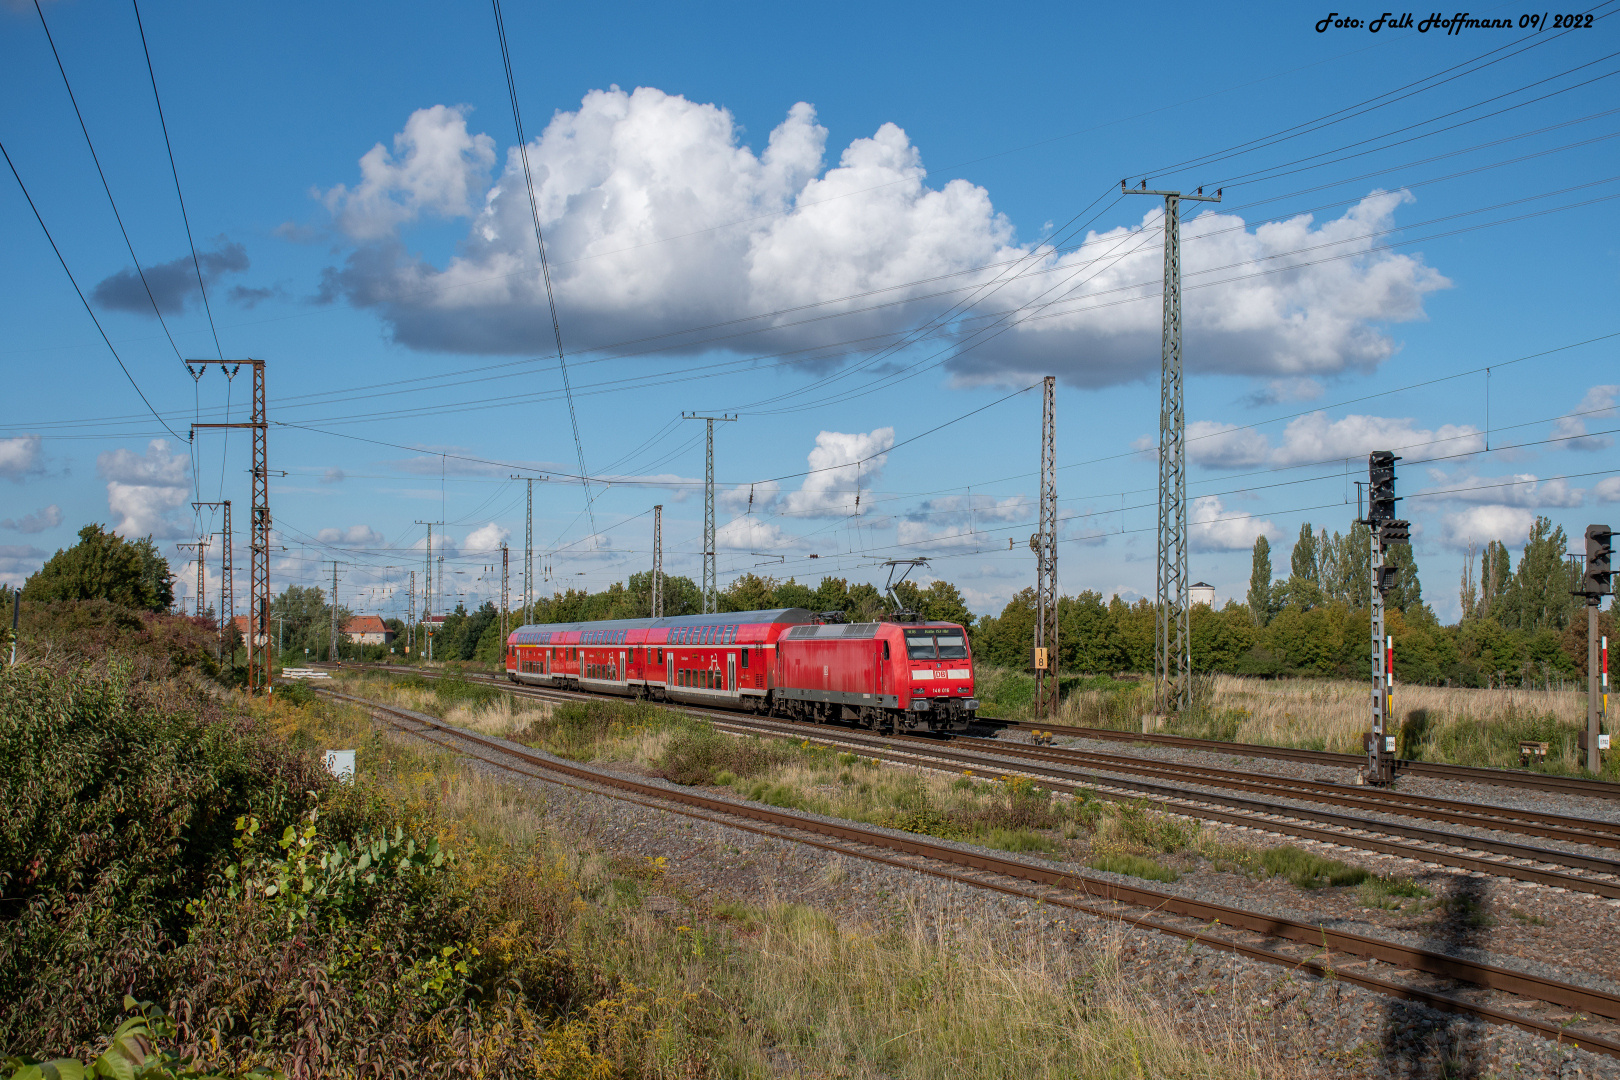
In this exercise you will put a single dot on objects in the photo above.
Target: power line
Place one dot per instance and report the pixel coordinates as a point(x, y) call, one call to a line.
point(94, 157)
point(195, 262)
point(80, 293)
point(545, 267)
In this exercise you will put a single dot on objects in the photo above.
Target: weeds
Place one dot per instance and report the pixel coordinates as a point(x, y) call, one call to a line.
point(1307, 870)
point(1134, 866)
point(1388, 892)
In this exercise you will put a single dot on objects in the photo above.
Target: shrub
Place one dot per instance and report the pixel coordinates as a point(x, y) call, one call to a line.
point(117, 800)
point(695, 754)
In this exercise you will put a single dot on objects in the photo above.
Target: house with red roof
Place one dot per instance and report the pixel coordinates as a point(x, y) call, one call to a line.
point(368, 630)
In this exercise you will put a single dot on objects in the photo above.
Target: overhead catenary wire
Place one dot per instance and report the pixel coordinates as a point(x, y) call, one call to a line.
point(545, 267)
point(80, 294)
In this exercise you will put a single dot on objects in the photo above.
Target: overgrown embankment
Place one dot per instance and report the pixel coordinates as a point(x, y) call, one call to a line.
point(426, 919)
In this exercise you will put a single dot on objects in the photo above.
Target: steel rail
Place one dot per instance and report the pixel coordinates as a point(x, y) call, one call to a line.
point(1545, 782)
point(1485, 816)
point(1200, 804)
point(1488, 976)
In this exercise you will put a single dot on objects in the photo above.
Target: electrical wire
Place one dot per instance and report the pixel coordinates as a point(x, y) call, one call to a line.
point(80, 293)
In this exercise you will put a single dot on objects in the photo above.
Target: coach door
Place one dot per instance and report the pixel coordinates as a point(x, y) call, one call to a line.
point(669, 668)
point(624, 672)
point(731, 671)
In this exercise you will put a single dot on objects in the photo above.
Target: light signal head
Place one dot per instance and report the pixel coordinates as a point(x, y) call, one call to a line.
point(1599, 557)
point(1381, 485)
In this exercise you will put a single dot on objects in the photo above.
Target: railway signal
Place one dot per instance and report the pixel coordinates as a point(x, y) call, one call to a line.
point(1386, 531)
point(1595, 585)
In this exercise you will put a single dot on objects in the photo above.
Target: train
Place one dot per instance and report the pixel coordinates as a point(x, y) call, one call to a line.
point(888, 675)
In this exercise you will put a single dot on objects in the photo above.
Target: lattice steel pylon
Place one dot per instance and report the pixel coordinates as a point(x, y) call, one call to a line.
point(261, 664)
point(1046, 588)
point(227, 571)
point(505, 595)
point(1172, 659)
point(658, 562)
point(200, 546)
point(711, 599)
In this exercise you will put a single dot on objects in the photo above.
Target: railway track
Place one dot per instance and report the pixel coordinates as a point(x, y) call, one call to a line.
point(1185, 791)
point(1534, 1003)
point(1546, 782)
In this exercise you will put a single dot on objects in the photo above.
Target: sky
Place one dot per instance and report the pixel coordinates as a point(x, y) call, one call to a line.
point(865, 232)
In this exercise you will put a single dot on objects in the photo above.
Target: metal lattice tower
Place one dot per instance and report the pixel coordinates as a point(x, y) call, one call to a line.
point(410, 632)
point(1046, 588)
point(711, 599)
point(1172, 631)
point(332, 646)
point(227, 572)
point(200, 546)
point(528, 546)
point(260, 661)
point(658, 562)
point(505, 595)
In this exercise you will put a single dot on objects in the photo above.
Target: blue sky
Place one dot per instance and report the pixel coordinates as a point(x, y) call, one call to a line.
point(861, 229)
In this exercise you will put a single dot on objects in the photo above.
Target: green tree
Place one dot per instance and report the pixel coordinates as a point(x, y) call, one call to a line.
point(1304, 581)
point(479, 621)
point(1495, 581)
point(790, 594)
point(104, 566)
point(1407, 595)
point(1540, 597)
point(831, 595)
point(1260, 582)
point(749, 592)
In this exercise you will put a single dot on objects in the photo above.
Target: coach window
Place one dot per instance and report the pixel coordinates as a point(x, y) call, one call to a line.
point(745, 653)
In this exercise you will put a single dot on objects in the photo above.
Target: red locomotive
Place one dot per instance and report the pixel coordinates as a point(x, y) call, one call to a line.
point(888, 675)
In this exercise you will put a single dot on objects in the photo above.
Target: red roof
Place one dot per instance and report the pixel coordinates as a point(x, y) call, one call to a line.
point(241, 622)
point(365, 624)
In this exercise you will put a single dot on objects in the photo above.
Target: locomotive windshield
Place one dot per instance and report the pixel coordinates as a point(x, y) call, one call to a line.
point(936, 642)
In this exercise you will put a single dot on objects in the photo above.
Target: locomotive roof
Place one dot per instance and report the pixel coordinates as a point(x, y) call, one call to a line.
point(726, 618)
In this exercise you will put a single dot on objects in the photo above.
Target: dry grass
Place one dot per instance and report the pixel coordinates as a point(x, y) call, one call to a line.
point(1460, 726)
point(767, 989)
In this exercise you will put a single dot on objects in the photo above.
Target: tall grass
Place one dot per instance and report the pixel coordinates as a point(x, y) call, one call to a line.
point(1449, 724)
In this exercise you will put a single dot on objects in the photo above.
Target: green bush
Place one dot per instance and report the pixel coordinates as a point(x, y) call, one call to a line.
point(696, 754)
point(117, 804)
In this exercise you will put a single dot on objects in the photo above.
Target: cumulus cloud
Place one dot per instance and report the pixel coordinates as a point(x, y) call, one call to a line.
point(659, 219)
point(173, 283)
point(1607, 490)
point(1314, 438)
point(144, 490)
point(1215, 445)
point(1212, 527)
point(436, 168)
point(1521, 489)
point(1478, 524)
point(841, 465)
point(40, 520)
point(1598, 406)
point(486, 538)
point(749, 533)
point(953, 522)
point(353, 536)
point(746, 498)
point(1284, 391)
point(20, 458)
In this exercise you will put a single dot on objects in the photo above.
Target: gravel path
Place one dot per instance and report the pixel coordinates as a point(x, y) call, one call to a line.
point(1314, 1028)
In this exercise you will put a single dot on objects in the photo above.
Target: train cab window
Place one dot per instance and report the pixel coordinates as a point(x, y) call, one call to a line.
point(660, 657)
point(885, 650)
point(937, 642)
